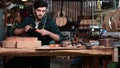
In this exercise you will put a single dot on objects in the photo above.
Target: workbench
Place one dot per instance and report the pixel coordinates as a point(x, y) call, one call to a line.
point(88, 54)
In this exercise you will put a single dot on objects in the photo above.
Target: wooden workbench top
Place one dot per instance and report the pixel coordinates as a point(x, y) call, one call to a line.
point(34, 52)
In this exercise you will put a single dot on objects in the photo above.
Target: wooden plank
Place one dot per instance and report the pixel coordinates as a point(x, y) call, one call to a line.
point(28, 44)
point(115, 54)
point(85, 63)
point(88, 22)
point(95, 62)
point(90, 62)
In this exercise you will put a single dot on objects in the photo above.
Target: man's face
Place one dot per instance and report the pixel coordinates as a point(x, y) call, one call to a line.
point(40, 12)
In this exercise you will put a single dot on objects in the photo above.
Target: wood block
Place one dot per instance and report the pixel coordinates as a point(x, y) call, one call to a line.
point(115, 55)
point(9, 44)
point(88, 22)
point(22, 38)
point(28, 44)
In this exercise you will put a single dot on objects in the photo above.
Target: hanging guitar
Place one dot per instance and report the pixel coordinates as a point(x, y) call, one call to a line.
point(61, 20)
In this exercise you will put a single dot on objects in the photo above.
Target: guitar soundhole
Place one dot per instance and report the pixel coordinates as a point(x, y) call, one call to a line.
point(61, 14)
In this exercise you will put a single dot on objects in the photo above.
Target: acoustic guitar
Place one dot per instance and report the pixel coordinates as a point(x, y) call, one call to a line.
point(61, 20)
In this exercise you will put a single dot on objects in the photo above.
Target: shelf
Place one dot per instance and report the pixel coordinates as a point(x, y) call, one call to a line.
point(103, 11)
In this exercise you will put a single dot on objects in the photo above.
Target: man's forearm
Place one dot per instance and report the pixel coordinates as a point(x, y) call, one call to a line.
point(54, 36)
point(19, 31)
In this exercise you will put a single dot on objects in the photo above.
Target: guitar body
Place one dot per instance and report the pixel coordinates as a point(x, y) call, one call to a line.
point(61, 20)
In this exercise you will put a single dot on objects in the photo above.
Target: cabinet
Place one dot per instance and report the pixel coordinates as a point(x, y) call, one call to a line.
point(103, 8)
point(97, 30)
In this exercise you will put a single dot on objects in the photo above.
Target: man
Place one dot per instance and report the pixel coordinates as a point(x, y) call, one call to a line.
point(42, 26)
point(41, 21)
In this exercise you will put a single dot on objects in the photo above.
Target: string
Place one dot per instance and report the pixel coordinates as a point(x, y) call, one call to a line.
point(44, 22)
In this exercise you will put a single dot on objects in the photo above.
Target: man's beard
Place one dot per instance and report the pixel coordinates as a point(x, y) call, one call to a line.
point(39, 16)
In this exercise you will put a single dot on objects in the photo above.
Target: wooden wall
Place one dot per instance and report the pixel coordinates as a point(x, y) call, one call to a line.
point(74, 9)
point(77, 8)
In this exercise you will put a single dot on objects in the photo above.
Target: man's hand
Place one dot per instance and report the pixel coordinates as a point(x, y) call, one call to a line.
point(27, 27)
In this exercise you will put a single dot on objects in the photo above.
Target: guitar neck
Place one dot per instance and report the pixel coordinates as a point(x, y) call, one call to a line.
point(61, 8)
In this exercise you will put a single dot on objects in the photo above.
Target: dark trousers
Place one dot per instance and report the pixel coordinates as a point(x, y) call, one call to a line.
point(27, 62)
